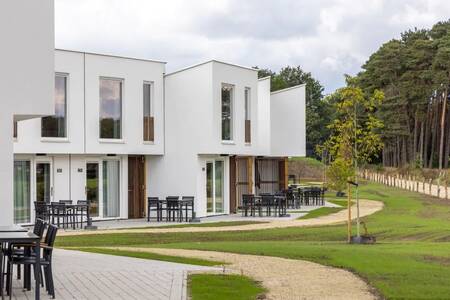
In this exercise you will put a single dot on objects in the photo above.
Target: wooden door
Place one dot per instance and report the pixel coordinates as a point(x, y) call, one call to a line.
point(136, 187)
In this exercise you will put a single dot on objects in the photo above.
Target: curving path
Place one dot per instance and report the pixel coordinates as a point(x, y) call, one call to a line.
point(367, 207)
point(284, 278)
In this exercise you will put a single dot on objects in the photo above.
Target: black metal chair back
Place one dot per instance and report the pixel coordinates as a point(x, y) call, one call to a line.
point(65, 201)
point(42, 210)
point(39, 227)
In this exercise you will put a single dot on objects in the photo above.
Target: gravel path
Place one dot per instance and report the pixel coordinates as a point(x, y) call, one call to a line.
point(284, 278)
point(367, 207)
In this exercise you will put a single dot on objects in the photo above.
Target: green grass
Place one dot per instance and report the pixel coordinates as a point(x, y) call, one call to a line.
point(320, 212)
point(209, 224)
point(223, 287)
point(308, 160)
point(324, 211)
point(154, 256)
point(411, 259)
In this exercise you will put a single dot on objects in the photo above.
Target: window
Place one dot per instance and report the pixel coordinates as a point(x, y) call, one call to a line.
point(22, 191)
point(148, 117)
point(247, 115)
point(56, 126)
point(15, 130)
point(227, 112)
point(111, 108)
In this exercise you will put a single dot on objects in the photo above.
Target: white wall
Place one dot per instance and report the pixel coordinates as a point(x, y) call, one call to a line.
point(84, 71)
point(264, 120)
point(29, 138)
point(26, 78)
point(133, 72)
point(288, 122)
point(240, 78)
point(187, 123)
point(26, 56)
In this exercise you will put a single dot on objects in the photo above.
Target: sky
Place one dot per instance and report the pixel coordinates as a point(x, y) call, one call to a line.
point(328, 38)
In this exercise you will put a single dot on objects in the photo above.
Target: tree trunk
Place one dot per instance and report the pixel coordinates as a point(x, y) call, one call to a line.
point(441, 142)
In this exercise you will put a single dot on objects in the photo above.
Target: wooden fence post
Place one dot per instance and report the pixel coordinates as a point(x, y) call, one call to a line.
point(429, 187)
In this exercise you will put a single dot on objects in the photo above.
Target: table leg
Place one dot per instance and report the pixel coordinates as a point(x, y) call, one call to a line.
point(27, 271)
point(37, 271)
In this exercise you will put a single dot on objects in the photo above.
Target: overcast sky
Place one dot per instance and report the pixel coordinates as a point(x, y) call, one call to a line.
point(326, 37)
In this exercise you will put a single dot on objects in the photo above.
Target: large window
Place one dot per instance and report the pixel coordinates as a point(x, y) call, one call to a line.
point(56, 126)
point(148, 113)
point(22, 191)
point(111, 108)
point(247, 100)
point(227, 112)
point(111, 188)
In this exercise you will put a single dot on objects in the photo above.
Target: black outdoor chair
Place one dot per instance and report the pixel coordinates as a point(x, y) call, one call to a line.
point(267, 203)
point(188, 203)
point(81, 212)
point(42, 210)
point(59, 213)
point(153, 202)
point(45, 261)
point(248, 203)
point(173, 208)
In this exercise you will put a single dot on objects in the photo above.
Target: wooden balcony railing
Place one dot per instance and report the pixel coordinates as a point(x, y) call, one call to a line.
point(149, 129)
point(248, 129)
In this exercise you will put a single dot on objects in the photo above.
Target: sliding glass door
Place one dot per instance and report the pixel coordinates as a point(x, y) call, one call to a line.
point(44, 188)
point(103, 187)
point(215, 187)
point(22, 191)
point(111, 188)
point(93, 187)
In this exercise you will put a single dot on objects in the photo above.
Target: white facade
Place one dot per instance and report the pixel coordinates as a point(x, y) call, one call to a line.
point(66, 159)
point(190, 153)
point(193, 129)
point(26, 78)
point(288, 122)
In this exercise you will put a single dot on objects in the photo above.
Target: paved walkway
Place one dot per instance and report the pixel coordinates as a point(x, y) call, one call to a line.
point(367, 207)
point(285, 278)
point(80, 275)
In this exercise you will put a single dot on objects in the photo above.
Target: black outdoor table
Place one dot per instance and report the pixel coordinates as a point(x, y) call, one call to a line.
point(70, 208)
point(12, 237)
point(13, 228)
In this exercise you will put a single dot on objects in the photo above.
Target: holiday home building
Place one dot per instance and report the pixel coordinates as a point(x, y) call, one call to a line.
point(123, 131)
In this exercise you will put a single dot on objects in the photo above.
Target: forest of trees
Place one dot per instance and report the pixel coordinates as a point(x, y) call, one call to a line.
point(414, 74)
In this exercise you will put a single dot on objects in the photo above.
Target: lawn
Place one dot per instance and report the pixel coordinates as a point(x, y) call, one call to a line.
point(207, 224)
point(410, 260)
point(223, 287)
point(154, 256)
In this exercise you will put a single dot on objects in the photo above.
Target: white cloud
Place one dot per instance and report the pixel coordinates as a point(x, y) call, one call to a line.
point(327, 37)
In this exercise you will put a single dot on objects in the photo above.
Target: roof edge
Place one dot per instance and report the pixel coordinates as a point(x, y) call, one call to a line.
point(207, 62)
point(112, 55)
point(289, 88)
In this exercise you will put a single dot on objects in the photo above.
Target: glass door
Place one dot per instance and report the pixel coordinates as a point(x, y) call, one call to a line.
point(215, 187)
point(111, 188)
point(44, 186)
point(93, 187)
point(22, 191)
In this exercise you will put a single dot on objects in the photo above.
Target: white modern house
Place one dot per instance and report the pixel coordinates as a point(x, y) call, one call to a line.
point(123, 131)
point(26, 79)
point(226, 135)
point(109, 117)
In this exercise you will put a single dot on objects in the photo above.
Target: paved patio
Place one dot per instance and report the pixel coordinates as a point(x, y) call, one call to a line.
point(80, 275)
point(136, 223)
